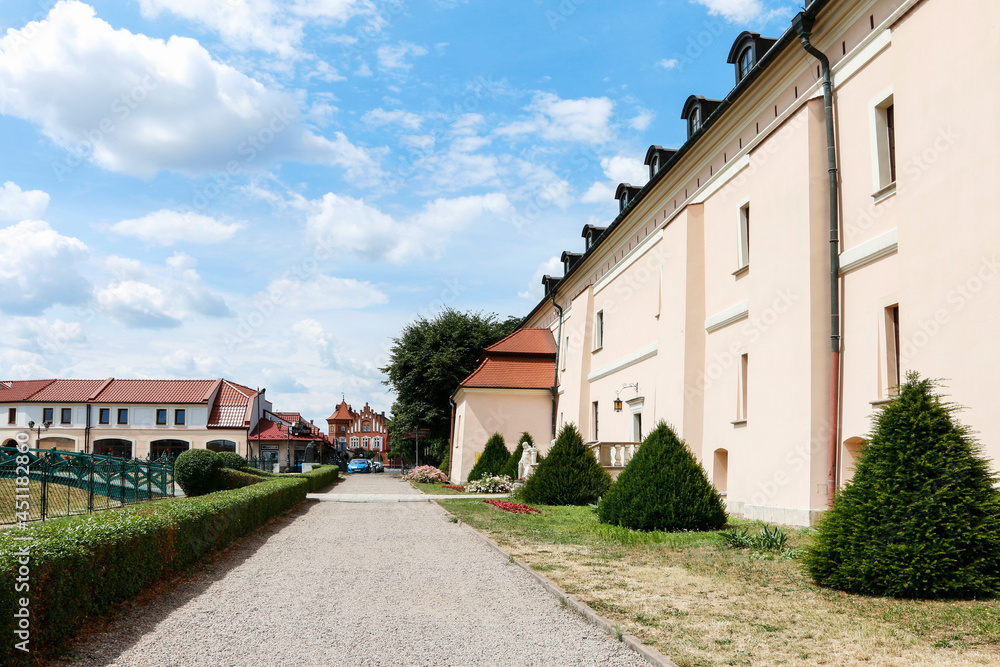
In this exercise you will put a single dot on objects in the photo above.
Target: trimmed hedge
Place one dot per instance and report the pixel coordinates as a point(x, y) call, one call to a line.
point(569, 475)
point(196, 471)
point(493, 458)
point(320, 477)
point(236, 479)
point(84, 566)
point(663, 487)
point(232, 460)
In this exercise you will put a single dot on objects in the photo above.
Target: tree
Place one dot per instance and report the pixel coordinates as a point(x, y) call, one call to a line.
point(492, 459)
point(569, 475)
point(921, 517)
point(426, 362)
point(663, 488)
point(510, 468)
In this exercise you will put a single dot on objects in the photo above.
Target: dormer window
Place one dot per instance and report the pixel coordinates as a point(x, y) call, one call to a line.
point(657, 158)
point(569, 260)
point(745, 63)
point(696, 111)
point(694, 121)
point(591, 234)
point(625, 194)
point(747, 51)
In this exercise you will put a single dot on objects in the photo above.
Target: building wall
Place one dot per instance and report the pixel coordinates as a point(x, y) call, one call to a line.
point(139, 437)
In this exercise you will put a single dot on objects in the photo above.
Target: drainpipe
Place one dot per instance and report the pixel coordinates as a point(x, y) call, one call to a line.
point(86, 433)
point(451, 435)
point(803, 26)
point(555, 380)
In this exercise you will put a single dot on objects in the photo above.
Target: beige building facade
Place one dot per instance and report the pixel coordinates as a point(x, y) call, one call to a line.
point(708, 301)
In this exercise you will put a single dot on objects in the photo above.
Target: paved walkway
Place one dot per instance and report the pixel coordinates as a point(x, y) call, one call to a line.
point(357, 584)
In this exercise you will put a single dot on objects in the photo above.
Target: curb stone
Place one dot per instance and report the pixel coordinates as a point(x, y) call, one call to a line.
point(650, 654)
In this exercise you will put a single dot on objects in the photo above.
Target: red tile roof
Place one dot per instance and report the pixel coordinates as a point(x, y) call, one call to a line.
point(269, 430)
point(525, 341)
point(232, 406)
point(513, 374)
point(69, 391)
point(343, 412)
point(158, 391)
point(20, 390)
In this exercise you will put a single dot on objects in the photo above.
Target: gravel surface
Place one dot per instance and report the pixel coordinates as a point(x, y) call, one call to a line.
point(357, 584)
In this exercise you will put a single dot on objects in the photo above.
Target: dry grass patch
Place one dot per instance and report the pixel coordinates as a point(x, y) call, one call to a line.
point(702, 603)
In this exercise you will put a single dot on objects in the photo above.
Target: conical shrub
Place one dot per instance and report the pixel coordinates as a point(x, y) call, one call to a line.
point(569, 475)
point(510, 468)
point(492, 459)
point(663, 487)
point(921, 516)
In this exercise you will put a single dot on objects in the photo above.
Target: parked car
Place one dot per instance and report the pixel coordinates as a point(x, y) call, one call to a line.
point(359, 465)
point(377, 466)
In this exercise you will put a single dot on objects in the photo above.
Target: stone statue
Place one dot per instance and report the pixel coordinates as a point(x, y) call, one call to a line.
point(310, 453)
point(528, 462)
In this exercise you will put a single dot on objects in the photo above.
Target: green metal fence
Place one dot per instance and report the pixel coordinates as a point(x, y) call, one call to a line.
point(42, 483)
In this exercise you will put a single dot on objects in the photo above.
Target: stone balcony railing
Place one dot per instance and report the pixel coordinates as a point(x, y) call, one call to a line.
point(614, 454)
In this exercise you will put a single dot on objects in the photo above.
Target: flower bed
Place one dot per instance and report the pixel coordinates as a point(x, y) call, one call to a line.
point(501, 484)
point(454, 487)
point(426, 475)
point(513, 508)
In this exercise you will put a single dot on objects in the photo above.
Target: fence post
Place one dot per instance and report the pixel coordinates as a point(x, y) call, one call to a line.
point(45, 483)
point(149, 480)
point(90, 498)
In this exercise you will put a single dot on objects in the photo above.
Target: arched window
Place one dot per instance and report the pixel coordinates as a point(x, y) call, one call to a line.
point(367, 428)
point(221, 445)
point(10, 443)
point(745, 63)
point(113, 447)
point(694, 120)
point(172, 447)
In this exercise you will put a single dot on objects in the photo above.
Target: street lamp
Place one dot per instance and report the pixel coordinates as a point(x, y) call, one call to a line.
point(618, 401)
point(38, 431)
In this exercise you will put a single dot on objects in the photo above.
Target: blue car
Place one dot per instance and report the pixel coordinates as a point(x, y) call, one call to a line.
point(359, 465)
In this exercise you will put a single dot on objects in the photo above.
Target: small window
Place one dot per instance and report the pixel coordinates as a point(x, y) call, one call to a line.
point(595, 422)
point(744, 236)
point(105, 416)
point(11, 415)
point(161, 417)
point(123, 415)
point(564, 352)
point(892, 350)
point(354, 441)
point(654, 165)
point(694, 121)
point(884, 128)
point(47, 415)
point(180, 417)
point(66, 416)
point(599, 330)
point(364, 442)
point(367, 428)
point(741, 406)
point(343, 428)
point(890, 127)
point(746, 62)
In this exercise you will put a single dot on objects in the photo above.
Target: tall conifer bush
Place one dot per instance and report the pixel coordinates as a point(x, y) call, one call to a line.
point(569, 475)
point(663, 487)
point(510, 468)
point(493, 458)
point(921, 516)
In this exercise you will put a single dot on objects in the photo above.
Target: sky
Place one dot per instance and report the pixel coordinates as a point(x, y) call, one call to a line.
point(270, 190)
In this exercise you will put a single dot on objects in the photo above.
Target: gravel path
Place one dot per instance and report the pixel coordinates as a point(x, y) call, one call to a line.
point(357, 584)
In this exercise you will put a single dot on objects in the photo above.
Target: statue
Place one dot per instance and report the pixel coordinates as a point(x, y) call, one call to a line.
point(528, 462)
point(310, 453)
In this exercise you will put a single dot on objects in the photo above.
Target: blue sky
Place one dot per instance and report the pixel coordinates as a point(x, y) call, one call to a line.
point(268, 190)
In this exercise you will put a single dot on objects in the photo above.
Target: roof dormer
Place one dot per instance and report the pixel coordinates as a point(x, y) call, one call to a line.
point(591, 233)
point(625, 193)
point(569, 260)
point(550, 283)
point(656, 158)
point(696, 110)
point(747, 51)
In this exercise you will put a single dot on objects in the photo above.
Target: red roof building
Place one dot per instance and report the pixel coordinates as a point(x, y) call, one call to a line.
point(365, 429)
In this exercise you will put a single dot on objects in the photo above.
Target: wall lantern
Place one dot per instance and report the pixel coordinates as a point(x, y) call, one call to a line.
point(618, 400)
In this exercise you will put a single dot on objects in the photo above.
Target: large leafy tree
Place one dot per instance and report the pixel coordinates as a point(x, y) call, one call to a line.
point(426, 362)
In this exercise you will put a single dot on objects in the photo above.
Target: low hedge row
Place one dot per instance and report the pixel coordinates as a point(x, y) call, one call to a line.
point(321, 477)
point(237, 479)
point(80, 567)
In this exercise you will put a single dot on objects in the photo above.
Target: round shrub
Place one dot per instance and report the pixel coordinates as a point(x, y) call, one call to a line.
point(196, 471)
point(663, 487)
point(493, 458)
point(510, 468)
point(232, 460)
point(921, 517)
point(569, 475)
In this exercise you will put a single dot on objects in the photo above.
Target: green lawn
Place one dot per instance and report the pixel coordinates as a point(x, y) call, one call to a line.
point(435, 489)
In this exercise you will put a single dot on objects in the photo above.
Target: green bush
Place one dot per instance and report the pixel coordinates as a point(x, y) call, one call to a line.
point(321, 477)
point(259, 473)
point(196, 471)
point(493, 458)
point(569, 475)
point(232, 460)
point(84, 566)
point(446, 463)
point(663, 487)
point(510, 468)
point(921, 516)
point(236, 479)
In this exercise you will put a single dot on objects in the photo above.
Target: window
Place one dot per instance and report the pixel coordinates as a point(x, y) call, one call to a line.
point(720, 471)
point(180, 417)
point(892, 349)
point(123, 415)
point(745, 63)
point(377, 443)
point(161, 417)
point(367, 428)
point(744, 236)
point(364, 442)
point(564, 351)
point(595, 421)
point(654, 165)
point(741, 406)
point(104, 416)
point(66, 416)
point(221, 446)
point(343, 428)
point(354, 441)
point(694, 121)
point(47, 415)
point(599, 330)
point(884, 144)
point(637, 427)
point(11, 415)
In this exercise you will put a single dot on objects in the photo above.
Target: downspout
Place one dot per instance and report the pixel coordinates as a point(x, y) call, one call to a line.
point(803, 26)
point(451, 435)
point(86, 433)
point(555, 380)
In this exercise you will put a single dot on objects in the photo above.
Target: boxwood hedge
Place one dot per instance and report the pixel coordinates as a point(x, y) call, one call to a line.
point(321, 477)
point(81, 567)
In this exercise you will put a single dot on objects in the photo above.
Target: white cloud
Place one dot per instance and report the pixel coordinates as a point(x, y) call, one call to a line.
point(599, 193)
point(394, 57)
point(744, 11)
point(17, 204)
point(585, 120)
point(667, 63)
point(642, 120)
point(39, 268)
point(137, 304)
point(351, 226)
point(265, 25)
point(325, 293)
point(550, 267)
point(137, 105)
point(380, 116)
point(40, 335)
point(324, 71)
point(617, 169)
point(331, 352)
point(166, 227)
